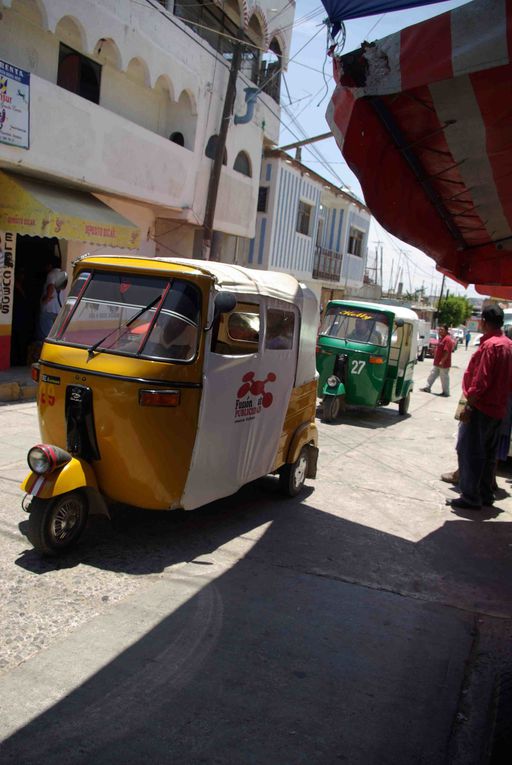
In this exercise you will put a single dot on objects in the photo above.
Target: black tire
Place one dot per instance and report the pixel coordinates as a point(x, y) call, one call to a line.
point(403, 404)
point(421, 357)
point(332, 408)
point(292, 477)
point(55, 525)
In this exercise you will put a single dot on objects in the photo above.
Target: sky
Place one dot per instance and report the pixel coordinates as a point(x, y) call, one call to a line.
point(308, 85)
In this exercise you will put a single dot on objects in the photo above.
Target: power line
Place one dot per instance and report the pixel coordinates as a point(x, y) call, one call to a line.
point(375, 25)
point(402, 253)
point(313, 149)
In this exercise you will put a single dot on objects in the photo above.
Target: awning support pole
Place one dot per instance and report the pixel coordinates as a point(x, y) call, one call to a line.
point(412, 160)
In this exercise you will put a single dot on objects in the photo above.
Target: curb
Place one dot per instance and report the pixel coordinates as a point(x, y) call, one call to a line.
point(15, 391)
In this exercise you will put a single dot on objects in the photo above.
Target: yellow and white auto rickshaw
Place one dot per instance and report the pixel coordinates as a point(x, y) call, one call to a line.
point(168, 384)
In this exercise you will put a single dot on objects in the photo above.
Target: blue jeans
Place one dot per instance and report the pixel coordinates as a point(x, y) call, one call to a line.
point(44, 324)
point(477, 445)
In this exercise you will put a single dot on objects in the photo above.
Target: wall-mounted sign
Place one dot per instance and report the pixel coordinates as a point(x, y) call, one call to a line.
point(14, 105)
point(7, 257)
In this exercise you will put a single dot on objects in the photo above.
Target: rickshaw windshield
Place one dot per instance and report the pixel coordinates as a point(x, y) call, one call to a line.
point(130, 314)
point(357, 325)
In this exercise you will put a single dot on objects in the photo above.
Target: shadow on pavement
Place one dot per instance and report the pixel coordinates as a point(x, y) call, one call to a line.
point(267, 663)
point(366, 417)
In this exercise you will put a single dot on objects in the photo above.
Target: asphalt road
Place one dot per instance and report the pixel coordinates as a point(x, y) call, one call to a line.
point(363, 622)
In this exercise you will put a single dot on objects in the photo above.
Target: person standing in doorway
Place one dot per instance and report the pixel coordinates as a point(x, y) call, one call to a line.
point(442, 363)
point(486, 385)
point(50, 299)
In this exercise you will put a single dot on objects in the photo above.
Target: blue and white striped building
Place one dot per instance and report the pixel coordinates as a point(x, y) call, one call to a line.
point(308, 227)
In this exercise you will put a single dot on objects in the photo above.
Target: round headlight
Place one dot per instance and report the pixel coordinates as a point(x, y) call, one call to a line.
point(38, 460)
point(332, 381)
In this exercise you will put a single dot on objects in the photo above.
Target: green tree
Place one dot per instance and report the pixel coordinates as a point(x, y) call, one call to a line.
point(454, 311)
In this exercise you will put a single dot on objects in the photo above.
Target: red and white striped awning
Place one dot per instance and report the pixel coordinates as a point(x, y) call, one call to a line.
point(424, 119)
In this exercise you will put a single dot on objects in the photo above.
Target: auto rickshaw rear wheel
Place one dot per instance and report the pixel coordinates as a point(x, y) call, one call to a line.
point(55, 525)
point(332, 408)
point(403, 404)
point(292, 476)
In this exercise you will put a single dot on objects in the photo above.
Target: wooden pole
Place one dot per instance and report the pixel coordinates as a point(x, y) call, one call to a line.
point(208, 251)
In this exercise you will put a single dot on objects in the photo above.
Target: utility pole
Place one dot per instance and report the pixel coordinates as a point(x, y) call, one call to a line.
point(440, 298)
point(378, 264)
point(208, 251)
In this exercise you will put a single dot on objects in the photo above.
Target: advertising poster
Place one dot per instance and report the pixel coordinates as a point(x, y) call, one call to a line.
point(7, 256)
point(14, 105)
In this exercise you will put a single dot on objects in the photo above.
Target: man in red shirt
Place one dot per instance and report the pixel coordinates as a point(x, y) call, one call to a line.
point(442, 362)
point(486, 385)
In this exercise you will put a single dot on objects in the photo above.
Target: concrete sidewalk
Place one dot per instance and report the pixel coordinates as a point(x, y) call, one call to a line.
point(16, 384)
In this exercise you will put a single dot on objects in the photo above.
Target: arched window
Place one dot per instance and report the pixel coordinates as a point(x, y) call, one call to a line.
point(79, 74)
point(211, 148)
point(243, 164)
point(269, 78)
point(178, 138)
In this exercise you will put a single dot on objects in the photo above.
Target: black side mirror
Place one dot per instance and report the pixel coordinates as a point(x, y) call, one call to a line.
point(61, 281)
point(399, 322)
point(224, 303)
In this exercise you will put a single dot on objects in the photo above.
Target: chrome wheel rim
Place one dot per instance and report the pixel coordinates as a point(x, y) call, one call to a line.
point(66, 520)
point(299, 474)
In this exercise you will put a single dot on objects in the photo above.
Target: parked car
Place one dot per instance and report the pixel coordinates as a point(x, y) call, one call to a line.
point(423, 337)
point(458, 334)
point(433, 340)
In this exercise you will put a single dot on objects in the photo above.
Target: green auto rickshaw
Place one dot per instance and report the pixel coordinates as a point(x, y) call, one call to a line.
point(366, 354)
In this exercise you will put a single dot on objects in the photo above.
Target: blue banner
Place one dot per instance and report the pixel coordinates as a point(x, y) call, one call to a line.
point(343, 10)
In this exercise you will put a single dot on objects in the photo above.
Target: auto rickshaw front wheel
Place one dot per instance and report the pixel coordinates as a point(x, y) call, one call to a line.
point(55, 525)
point(403, 404)
point(331, 408)
point(292, 476)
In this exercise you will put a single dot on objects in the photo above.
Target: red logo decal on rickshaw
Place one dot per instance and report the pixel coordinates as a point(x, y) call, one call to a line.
point(257, 388)
point(255, 397)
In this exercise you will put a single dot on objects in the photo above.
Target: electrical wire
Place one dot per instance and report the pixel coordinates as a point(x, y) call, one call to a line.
point(400, 251)
point(246, 43)
point(302, 20)
point(283, 9)
point(310, 97)
point(326, 86)
point(278, 71)
point(162, 11)
point(374, 26)
point(313, 149)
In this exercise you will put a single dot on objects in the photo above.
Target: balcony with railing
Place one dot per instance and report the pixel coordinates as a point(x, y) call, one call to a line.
point(327, 264)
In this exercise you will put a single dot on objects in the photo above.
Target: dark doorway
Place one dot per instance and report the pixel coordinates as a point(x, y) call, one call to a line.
point(33, 253)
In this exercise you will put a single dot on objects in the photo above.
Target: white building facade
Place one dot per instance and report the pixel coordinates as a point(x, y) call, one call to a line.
point(309, 228)
point(110, 112)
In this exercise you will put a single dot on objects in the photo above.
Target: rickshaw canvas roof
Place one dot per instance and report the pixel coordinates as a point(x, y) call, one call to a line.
point(248, 280)
point(227, 276)
point(400, 312)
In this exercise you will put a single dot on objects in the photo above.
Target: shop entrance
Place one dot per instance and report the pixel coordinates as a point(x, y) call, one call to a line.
point(34, 256)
